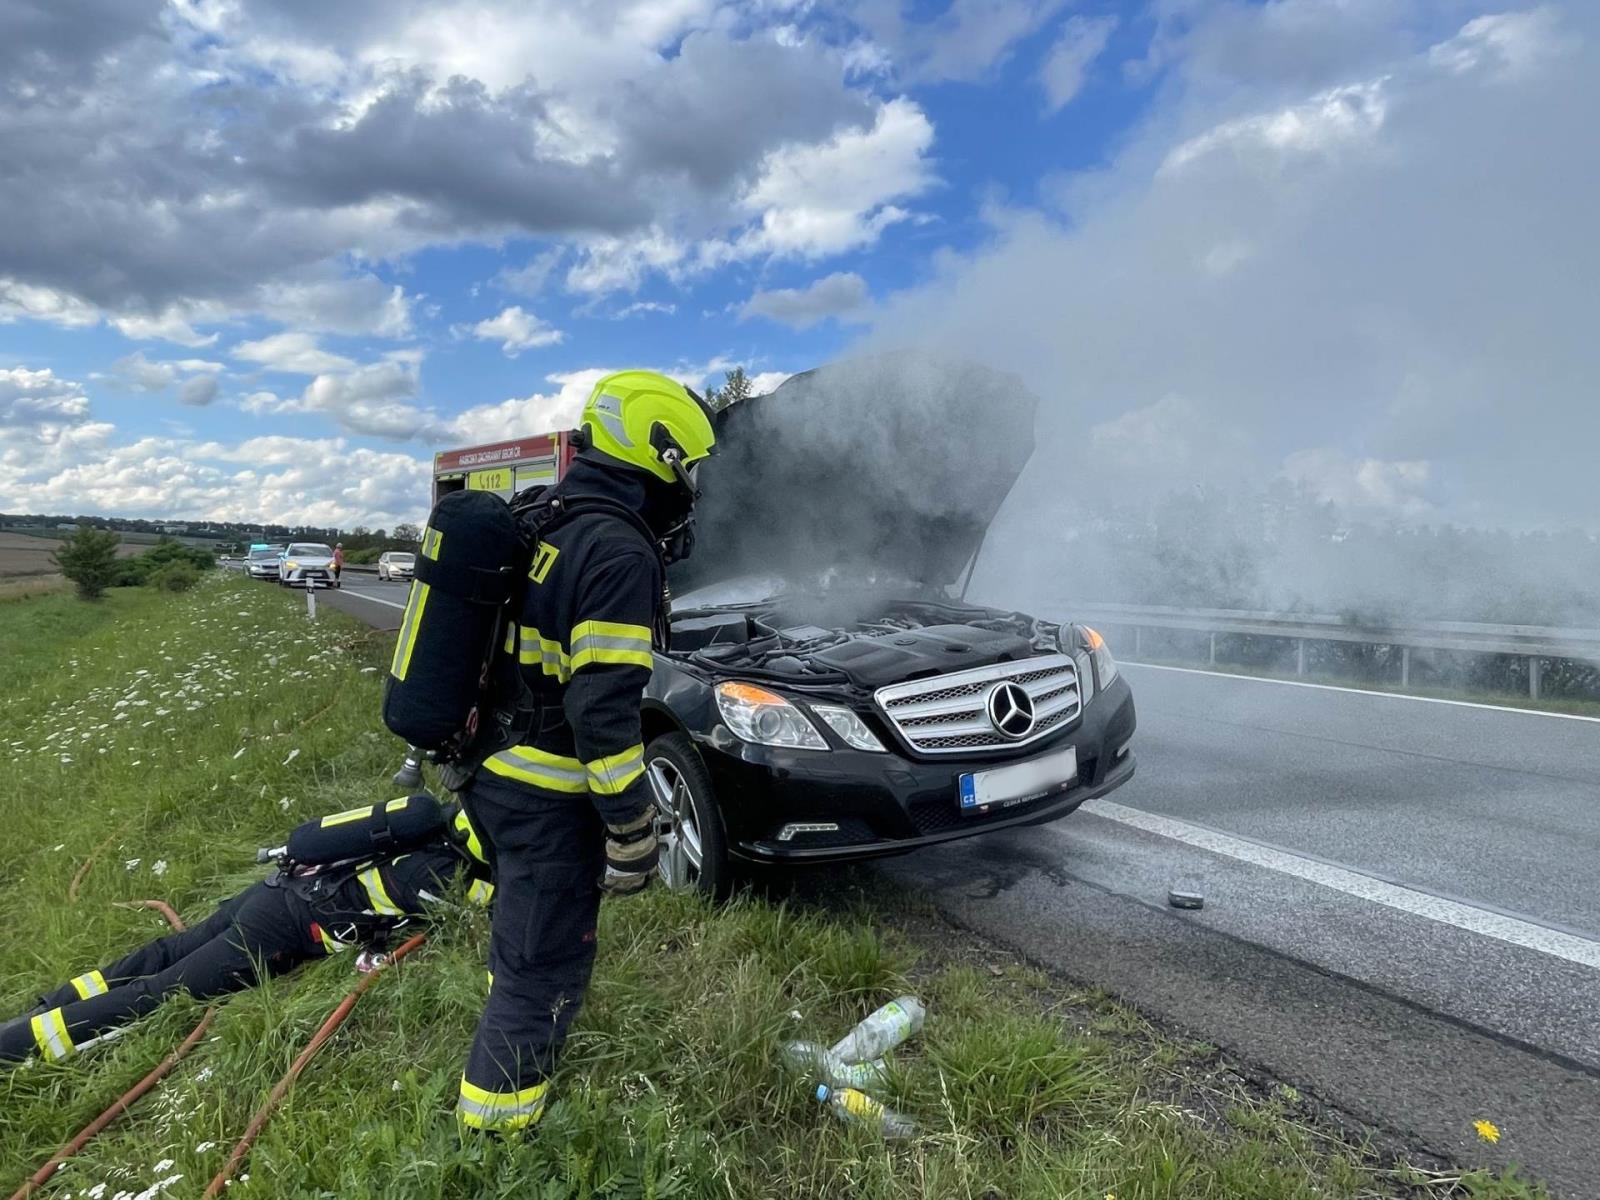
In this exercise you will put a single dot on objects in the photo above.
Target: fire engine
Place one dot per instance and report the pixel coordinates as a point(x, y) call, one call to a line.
point(504, 468)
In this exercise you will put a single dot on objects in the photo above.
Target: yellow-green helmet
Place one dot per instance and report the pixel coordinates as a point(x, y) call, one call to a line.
point(643, 419)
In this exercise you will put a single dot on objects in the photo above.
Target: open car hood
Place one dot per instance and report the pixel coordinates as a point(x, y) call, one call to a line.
point(882, 468)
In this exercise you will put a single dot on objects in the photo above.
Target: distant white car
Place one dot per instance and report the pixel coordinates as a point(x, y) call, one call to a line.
point(303, 562)
point(263, 562)
point(397, 564)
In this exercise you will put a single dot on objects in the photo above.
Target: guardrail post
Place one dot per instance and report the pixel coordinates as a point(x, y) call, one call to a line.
point(1299, 656)
point(1405, 666)
point(1535, 671)
point(1137, 639)
point(1213, 649)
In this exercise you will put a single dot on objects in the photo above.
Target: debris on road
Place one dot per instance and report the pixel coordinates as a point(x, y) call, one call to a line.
point(1182, 899)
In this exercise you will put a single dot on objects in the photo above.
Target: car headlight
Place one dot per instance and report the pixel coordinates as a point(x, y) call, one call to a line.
point(292, 565)
point(1105, 667)
point(766, 718)
point(851, 728)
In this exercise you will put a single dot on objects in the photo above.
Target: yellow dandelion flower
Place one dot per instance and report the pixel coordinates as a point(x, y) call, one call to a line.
point(1487, 1130)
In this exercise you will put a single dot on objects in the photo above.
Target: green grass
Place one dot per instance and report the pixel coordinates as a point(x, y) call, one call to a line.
point(165, 738)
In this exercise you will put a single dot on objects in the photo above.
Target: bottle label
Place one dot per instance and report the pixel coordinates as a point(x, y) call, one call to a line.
point(859, 1104)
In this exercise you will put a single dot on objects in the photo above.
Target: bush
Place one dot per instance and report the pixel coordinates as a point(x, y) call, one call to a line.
point(174, 577)
point(136, 572)
point(89, 559)
point(365, 556)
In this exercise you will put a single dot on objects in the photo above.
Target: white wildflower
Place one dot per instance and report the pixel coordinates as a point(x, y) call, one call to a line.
point(133, 863)
point(204, 1146)
point(293, 754)
point(239, 753)
point(66, 759)
point(164, 1165)
point(284, 804)
point(63, 846)
point(158, 868)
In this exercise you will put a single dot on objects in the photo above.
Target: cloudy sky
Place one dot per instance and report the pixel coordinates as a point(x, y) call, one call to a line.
point(259, 258)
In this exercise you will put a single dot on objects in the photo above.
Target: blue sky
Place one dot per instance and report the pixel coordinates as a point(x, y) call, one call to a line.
point(266, 256)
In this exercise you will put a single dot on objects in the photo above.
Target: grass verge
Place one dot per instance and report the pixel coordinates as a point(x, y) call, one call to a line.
point(161, 739)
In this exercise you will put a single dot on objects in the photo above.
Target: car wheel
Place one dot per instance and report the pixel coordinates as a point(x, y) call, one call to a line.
point(694, 848)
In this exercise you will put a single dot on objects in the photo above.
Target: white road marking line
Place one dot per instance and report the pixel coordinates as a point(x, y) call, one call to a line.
point(1525, 934)
point(1329, 687)
point(374, 599)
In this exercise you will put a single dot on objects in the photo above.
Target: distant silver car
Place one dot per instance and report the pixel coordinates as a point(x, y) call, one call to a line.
point(397, 564)
point(304, 562)
point(262, 562)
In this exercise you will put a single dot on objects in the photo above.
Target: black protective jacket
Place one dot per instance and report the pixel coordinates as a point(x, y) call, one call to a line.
point(583, 643)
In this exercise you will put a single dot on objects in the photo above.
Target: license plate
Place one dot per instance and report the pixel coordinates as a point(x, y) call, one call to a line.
point(1002, 787)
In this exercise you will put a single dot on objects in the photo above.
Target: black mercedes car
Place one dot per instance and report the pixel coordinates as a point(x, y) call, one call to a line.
point(828, 695)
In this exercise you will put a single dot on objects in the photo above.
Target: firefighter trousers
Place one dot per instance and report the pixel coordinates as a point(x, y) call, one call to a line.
point(260, 931)
point(547, 852)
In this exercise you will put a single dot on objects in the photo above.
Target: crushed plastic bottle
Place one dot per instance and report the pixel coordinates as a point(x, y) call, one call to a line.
point(808, 1056)
point(857, 1108)
point(881, 1032)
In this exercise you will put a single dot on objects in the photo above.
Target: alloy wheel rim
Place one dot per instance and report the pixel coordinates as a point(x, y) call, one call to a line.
point(677, 826)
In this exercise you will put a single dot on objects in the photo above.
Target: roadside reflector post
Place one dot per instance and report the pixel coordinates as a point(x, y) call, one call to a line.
point(1213, 649)
point(311, 597)
point(1300, 656)
point(1137, 639)
point(1535, 674)
point(1405, 666)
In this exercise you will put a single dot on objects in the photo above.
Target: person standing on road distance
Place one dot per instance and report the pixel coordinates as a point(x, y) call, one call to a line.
point(566, 814)
point(338, 560)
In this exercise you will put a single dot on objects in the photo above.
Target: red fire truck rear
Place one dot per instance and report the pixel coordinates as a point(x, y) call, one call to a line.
point(503, 467)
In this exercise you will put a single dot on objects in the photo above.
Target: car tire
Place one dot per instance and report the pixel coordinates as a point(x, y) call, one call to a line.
point(677, 767)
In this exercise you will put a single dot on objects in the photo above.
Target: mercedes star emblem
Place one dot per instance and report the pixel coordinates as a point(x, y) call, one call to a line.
point(1011, 710)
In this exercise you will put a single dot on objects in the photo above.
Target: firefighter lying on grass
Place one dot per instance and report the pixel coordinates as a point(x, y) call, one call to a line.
point(344, 881)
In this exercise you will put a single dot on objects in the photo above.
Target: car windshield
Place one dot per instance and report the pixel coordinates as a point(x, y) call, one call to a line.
point(406, 559)
point(310, 550)
point(263, 554)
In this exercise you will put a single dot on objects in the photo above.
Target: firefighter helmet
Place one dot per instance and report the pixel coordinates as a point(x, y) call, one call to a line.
point(644, 420)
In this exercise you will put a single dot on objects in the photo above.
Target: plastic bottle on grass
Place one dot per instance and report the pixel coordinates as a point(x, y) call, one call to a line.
point(857, 1108)
point(808, 1056)
point(881, 1032)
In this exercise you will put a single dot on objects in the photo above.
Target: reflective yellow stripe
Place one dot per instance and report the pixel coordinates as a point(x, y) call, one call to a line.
point(613, 774)
point(330, 944)
point(481, 892)
point(511, 637)
point(430, 543)
point(549, 654)
point(464, 828)
point(372, 880)
point(409, 625)
point(481, 1109)
point(50, 1034)
point(397, 804)
point(345, 817)
point(92, 984)
point(553, 772)
point(610, 642)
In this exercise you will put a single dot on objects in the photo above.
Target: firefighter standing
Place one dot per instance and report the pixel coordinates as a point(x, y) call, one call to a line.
point(266, 930)
point(567, 814)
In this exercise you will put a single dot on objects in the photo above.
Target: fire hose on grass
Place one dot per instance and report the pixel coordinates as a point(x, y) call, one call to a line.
point(281, 1089)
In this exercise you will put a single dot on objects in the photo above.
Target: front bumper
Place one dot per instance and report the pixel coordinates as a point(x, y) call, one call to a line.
point(323, 575)
point(891, 803)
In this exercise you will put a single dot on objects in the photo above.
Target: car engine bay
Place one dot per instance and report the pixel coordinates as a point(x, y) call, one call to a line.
point(818, 642)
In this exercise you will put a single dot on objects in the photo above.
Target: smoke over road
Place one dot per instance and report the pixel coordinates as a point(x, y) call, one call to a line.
point(1334, 291)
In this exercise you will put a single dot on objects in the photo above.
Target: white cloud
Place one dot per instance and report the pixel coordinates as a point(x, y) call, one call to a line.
point(612, 264)
point(536, 413)
point(293, 352)
point(516, 330)
point(22, 301)
point(172, 325)
point(765, 382)
point(198, 391)
point(1081, 41)
point(825, 199)
point(1340, 117)
point(29, 399)
point(361, 304)
point(839, 295)
point(146, 375)
point(374, 399)
point(640, 308)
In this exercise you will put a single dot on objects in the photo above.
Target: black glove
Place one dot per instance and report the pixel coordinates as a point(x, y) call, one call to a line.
point(631, 855)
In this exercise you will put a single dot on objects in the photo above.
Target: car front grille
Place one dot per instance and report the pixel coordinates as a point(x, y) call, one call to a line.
point(949, 714)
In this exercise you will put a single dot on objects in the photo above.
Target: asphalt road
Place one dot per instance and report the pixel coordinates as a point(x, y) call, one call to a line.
point(1402, 901)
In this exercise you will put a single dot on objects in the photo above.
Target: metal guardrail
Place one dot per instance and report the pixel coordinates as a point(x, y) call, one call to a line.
point(1536, 643)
